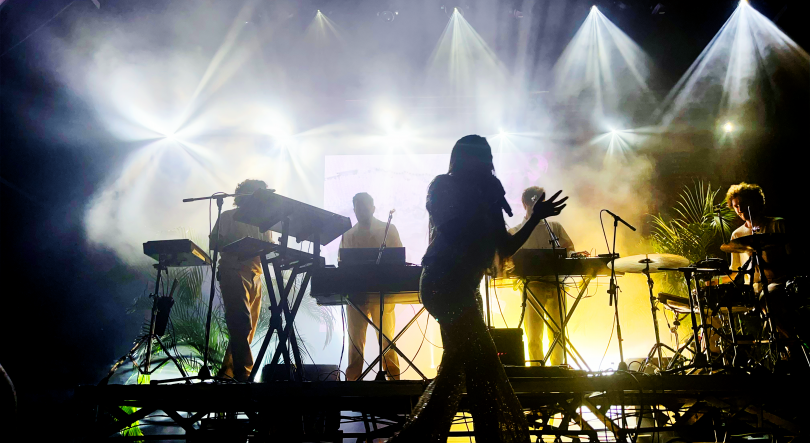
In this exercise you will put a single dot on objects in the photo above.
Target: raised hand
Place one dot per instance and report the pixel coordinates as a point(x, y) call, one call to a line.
point(543, 208)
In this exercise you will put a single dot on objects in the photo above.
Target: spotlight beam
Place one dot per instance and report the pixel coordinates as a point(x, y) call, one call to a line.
point(224, 49)
point(460, 52)
point(593, 61)
point(747, 44)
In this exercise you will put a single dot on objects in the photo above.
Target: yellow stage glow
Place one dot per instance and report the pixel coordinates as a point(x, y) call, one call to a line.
point(728, 127)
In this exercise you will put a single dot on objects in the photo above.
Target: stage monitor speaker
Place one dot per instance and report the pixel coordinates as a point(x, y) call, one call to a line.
point(509, 343)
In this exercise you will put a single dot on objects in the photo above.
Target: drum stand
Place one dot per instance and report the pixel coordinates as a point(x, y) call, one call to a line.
point(613, 291)
point(146, 339)
point(658, 345)
point(700, 359)
point(756, 263)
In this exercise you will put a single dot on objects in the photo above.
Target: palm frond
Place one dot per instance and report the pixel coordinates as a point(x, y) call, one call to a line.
point(694, 232)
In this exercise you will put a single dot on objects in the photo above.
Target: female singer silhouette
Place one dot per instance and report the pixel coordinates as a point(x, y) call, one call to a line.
point(467, 233)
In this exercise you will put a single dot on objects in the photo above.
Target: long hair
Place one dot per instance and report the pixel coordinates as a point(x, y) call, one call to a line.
point(471, 154)
point(472, 158)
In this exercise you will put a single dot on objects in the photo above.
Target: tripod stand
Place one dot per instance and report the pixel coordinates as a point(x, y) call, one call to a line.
point(658, 345)
point(157, 327)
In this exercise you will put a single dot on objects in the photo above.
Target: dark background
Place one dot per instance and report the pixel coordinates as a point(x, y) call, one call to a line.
point(63, 308)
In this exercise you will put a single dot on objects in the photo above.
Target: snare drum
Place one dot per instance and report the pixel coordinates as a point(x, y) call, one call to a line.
point(718, 298)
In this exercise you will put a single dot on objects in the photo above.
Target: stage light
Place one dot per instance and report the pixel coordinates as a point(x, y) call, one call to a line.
point(277, 127)
point(747, 50)
point(728, 127)
point(459, 53)
point(280, 131)
point(388, 120)
point(501, 132)
point(606, 64)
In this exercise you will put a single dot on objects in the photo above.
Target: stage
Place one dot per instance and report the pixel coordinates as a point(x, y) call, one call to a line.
point(591, 408)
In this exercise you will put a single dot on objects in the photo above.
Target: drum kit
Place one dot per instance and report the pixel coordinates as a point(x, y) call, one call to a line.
point(734, 313)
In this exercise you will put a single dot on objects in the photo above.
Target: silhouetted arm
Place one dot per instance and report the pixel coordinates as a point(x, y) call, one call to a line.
point(541, 209)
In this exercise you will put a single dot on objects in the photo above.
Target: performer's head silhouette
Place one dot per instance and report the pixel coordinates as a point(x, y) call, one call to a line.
point(471, 155)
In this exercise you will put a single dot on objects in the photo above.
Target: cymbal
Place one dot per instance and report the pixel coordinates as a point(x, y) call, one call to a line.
point(754, 242)
point(637, 264)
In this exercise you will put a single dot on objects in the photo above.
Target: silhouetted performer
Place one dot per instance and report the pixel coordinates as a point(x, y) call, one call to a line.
point(467, 231)
point(241, 285)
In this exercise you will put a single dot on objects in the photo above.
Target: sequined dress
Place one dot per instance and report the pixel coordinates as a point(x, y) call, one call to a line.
point(466, 227)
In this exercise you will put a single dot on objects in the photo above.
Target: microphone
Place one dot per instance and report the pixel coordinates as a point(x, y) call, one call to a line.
point(619, 219)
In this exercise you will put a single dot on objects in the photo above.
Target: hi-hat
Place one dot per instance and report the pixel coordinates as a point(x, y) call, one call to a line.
point(755, 242)
point(637, 264)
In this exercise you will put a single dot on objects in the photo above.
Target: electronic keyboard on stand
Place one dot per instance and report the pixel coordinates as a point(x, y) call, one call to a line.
point(270, 211)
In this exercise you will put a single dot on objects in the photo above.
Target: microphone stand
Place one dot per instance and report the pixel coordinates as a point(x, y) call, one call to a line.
point(381, 373)
point(205, 372)
point(722, 230)
point(555, 245)
point(614, 288)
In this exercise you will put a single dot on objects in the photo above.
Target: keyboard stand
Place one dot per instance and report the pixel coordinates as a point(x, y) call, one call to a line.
point(391, 342)
point(548, 319)
point(282, 315)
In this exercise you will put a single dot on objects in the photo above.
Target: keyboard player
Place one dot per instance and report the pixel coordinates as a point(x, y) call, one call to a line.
point(545, 290)
point(369, 233)
point(241, 287)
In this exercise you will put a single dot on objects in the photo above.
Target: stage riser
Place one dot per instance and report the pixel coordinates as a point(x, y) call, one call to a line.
point(687, 401)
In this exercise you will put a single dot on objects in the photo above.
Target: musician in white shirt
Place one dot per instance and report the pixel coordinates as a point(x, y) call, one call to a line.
point(369, 233)
point(545, 290)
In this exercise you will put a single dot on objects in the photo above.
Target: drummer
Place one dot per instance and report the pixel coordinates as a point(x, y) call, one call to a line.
point(748, 202)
